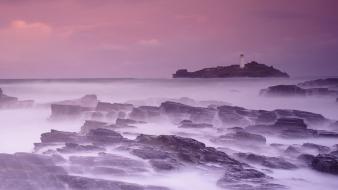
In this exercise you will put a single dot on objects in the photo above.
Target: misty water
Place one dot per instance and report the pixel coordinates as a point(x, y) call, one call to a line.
point(21, 128)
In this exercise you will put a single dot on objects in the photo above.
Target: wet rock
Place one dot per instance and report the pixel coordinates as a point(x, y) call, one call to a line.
point(270, 162)
point(325, 163)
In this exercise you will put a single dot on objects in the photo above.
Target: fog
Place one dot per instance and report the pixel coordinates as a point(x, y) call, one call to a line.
point(21, 128)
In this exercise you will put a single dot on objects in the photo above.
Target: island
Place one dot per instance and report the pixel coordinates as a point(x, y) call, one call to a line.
point(251, 69)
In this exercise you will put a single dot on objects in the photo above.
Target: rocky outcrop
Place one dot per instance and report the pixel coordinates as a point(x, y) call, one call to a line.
point(13, 102)
point(328, 82)
point(252, 69)
point(294, 90)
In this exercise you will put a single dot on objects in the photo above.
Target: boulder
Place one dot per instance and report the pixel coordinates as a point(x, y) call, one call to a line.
point(145, 113)
point(104, 136)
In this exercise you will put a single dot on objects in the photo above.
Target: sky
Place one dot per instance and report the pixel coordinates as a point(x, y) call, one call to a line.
point(154, 38)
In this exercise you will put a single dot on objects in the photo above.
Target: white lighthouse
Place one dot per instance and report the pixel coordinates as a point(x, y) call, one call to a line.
point(241, 61)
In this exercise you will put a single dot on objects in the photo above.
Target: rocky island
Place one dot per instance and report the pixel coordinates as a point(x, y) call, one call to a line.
point(251, 69)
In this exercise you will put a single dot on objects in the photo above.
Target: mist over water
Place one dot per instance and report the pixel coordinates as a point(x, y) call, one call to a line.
point(20, 128)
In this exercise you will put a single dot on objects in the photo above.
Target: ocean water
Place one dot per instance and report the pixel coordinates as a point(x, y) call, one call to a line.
point(20, 128)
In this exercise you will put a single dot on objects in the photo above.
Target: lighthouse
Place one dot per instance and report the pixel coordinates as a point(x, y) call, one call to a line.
point(241, 60)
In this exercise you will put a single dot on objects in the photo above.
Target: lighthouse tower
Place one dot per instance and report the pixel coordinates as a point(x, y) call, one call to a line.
point(241, 61)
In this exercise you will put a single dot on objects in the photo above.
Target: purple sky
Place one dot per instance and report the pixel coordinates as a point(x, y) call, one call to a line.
point(154, 38)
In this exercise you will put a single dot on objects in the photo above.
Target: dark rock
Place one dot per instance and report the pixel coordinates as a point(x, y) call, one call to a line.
point(325, 163)
point(283, 90)
point(290, 123)
point(252, 69)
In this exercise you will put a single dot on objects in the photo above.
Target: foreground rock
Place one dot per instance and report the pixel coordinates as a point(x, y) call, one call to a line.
point(252, 69)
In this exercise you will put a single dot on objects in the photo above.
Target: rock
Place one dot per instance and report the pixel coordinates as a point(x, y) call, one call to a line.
point(179, 112)
point(190, 124)
point(329, 82)
point(145, 113)
point(270, 162)
point(283, 90)
point(55, 136)
point(22, 171)
point(104, 136)
point(74, 148)
point(60, 111)
point(290, 123)
point(325, 163)
point(321, 149)
point(307, 158)
point(233, 115)
point(242, 138)
point(89, 100)
point(13, 102)
point(105, 106)
point(186, 149)
point(90, 124)
point(83, 183)
point(125, 122)
point(252, 69)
